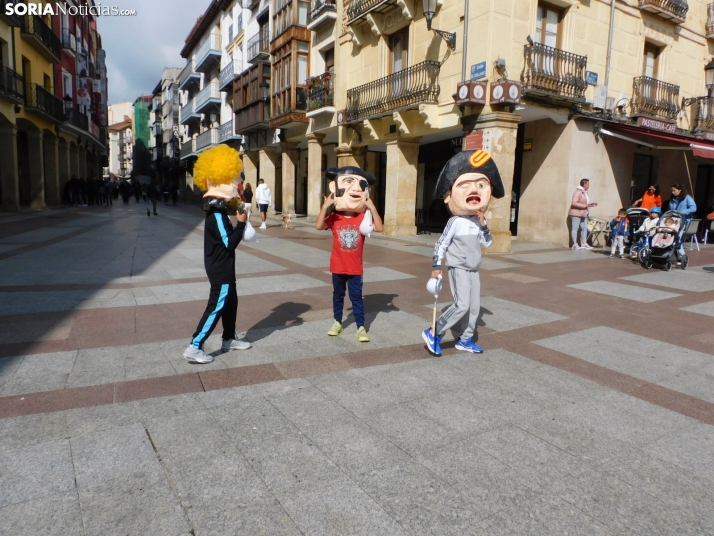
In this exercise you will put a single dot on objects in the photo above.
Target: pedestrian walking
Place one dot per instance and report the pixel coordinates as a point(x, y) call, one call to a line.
point(579, 211)
point(216, 172)
point(153, 194)
point(683, 203)
point(83, 191)
point(174, 192)
point(74, 191)
point(467, 183)
point(136, 186)
point(165, 192)
point(264, 198)
point(344, 212)
point(248, 195)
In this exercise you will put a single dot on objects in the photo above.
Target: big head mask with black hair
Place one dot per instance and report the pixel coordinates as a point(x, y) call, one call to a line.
point(350, 186)
point(467, 183)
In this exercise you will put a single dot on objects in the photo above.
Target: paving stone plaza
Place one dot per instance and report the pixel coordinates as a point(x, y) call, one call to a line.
point(591, 411)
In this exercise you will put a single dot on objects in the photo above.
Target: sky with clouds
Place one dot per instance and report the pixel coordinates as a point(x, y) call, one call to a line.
point(138, 48)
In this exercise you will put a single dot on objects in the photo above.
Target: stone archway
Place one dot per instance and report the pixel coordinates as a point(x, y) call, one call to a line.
point(50, 146)
point(9, 187)
point(30, 168)
point(63, 159)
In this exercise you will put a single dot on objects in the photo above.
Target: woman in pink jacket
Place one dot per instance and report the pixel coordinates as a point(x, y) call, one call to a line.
point(579, 215)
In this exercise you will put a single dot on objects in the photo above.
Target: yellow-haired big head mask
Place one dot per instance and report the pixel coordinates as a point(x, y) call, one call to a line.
point(218, 165)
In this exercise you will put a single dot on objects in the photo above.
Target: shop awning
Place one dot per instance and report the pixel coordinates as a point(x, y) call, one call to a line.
point(700, 148)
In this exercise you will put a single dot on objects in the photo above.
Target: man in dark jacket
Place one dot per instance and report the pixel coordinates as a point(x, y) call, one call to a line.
point(220, 239)
point(152, 192)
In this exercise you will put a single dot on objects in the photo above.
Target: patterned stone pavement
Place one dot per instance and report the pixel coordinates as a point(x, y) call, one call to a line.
point(591, 411)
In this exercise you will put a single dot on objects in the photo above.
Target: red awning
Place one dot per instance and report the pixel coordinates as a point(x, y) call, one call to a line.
point(700, 148)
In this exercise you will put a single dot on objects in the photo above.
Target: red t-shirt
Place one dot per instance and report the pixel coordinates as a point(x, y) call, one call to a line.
point(347, 244)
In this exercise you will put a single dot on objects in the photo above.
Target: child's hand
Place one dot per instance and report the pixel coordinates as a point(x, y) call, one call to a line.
point(436, 274)
point(242, 216)
point(329, 201)
point(481, 218)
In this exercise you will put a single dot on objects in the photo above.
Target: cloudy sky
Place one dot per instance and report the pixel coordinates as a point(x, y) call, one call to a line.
point(138, 48)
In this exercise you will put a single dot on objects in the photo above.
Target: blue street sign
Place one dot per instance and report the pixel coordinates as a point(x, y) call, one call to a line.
point(478, 70)
point(591, 78)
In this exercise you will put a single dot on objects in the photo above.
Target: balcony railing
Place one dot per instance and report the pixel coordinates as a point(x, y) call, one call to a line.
point(12, 85)
point(229, 73)
point(655, 98)
point(209, 95)
point(210, 48)
point(675, 10)
point(259, 46)
point(318, 8)
point(250, 4)
point(188, 76)
point(78, 119)
point(359, 8)
point(710, 21)
point(69, 41)
point(703, 113)
point(418, 84)
point(226, 132)
point(554, 72)
point(207, 139)
point(188, 148)
point(252, 118)
point(189, 112)
point(49, 45)
point(42, 101)
point(320, 91)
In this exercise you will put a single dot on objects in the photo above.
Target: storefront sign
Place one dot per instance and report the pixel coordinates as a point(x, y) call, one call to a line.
point(478, 70)
point(528, 145)
point(654, 124)
point(709, 136)
point(471, 93)
point(591, 78)
point(505, 92)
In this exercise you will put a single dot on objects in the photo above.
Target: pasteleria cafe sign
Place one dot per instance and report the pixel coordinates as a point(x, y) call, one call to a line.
point(654, 124)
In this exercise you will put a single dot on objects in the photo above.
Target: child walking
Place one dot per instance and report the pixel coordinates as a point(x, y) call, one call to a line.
point(619, 228)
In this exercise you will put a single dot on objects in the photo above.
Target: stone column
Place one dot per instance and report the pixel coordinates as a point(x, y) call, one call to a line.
point(400, 195)
point(496, 134)
point(64, 168)
point(9, 181)
point(267, 158)
point(36, 169)
point(50, 147)
point(290, 160)
point(348, 155)
point(73, 160)
point(250, 168)
point(314, 175)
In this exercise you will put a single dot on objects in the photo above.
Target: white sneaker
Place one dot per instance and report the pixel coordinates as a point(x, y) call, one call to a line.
point(263, 226)
point(575, 246)
point(585, 246)
point(235, 344)
point(196, 355)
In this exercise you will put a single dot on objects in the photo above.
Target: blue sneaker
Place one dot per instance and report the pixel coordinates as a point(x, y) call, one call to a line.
point(469, 346)
point(433, 344)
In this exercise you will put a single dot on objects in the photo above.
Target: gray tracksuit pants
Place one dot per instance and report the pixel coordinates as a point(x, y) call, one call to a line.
point(466, 288)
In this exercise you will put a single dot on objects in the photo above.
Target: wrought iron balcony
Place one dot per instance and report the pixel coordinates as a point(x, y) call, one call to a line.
point(208, 52)
point(418, 84)
point(12, 20)
point(69, 41)
point(358, 9)
point(42, 102)
point(259, 47)
point(12, 85)
point(45, 40)
point(188, 149)
point(207, 139)
point(189, 113)
point(207, 97)
point(188, 76)
point(674, 10)
point(710, 21)
point(654, 98)
point(321, 11)
point(77, 119)
point(554, 72)
point(226, 132)
point(702, 112)
point(321, 93)
point(250, 4)
point(228, 74)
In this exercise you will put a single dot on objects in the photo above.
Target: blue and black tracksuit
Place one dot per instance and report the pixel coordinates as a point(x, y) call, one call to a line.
point(220, 240)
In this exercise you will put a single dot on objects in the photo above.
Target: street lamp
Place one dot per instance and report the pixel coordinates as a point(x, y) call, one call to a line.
point(709, 77)
point(265, 90)
point(213, 119)
point(67, 101)
point(429, 8)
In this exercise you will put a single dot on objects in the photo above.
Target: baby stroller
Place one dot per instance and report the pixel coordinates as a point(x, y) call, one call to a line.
point(636, 216)
point(666, 240)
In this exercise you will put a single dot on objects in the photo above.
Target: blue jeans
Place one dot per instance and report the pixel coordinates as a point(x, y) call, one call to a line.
point(578, 223)
point(340, 283)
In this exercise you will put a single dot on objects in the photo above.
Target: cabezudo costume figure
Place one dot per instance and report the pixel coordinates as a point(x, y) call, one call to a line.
point(217, 172)
point(467, 183)
point(351, 215)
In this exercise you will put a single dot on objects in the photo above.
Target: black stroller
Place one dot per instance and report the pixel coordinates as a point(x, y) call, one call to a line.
point(636, 216)
point(667, 238)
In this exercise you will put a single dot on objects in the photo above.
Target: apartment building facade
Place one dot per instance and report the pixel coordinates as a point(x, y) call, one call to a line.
point(165, 142)
point(52, 105)
point(121, 152)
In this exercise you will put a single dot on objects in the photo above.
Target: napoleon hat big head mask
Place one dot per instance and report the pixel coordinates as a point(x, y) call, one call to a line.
point(468, 181)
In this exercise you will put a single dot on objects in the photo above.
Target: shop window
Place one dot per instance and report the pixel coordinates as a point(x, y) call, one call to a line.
point(643, 173)
point(548, 19)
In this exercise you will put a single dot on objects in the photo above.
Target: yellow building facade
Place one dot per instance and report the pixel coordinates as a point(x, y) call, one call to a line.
point(384, 93)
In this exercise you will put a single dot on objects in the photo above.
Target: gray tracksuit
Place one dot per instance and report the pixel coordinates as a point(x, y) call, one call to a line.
point(461, 245)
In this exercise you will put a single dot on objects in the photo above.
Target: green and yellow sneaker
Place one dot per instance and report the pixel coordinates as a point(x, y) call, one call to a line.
point(362, 335)
point(336, 329)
